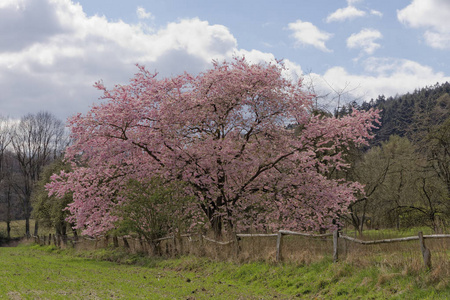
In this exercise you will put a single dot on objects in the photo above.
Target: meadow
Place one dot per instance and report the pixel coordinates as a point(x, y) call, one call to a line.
point(45, 272)
point(18, 228)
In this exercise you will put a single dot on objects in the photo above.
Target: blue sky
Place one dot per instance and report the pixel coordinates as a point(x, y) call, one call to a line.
point(52, 51)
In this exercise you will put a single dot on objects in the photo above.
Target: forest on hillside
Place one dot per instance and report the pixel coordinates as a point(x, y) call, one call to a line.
point(406, 169)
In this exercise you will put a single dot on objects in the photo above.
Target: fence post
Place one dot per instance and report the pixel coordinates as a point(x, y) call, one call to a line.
point(236, 240)
point(202, 251)
point(279, 244)
point(180, 243)
point(175, 250)
point(335, 245)
point(426, 253)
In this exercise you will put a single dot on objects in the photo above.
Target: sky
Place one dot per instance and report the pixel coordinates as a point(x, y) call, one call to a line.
point(53, 51)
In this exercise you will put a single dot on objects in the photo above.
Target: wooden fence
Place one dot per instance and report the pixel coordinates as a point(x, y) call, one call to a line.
point(183, 244)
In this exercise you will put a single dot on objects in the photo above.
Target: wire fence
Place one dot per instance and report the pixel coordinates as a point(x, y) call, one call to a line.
point(282, 246)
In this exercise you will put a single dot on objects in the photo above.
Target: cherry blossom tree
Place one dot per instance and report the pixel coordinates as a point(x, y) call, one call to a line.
point(242, 137)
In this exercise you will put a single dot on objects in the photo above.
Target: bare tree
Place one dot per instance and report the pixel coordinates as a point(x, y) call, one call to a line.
point(9, 199)
point(319, 98)
point(5, 140)
point(371, 172)
point(36, 140)
point(328, 97)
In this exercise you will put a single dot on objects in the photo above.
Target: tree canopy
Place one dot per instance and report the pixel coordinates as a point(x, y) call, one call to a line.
point(241, 136)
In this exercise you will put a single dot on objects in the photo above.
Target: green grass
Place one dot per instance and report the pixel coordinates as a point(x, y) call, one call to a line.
point(31, 272)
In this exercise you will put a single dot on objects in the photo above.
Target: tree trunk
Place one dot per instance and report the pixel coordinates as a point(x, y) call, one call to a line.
point(8, 213)
point(215, 221)
point(356, 222)
point(75, 234)
point(363, 218)
point(36, 227)
point(27, 226)
point(8, 228)
point(60, 228)
point(63, 228)
point(216, 225)
point(116, 241)
point(155, 248)
point(361, 226)
point(125, 242)
point(434, 224)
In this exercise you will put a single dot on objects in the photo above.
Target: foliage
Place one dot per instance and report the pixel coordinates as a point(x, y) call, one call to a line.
point(51, 210)
point(224, 132)
point(400, 189)
point(153, 209)
point(437, 148)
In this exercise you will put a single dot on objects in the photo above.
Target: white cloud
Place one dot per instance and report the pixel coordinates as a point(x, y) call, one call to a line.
point(342, 14)
point(292, 70)
point(143, 14)
point(53, 68)
point(23, 23)
point(352, 2)
point(385, 76)
point(431, 15)
point(376, 13)
point(350, 12)
point(306, 33)
point(438, 40)
point(381, 76)
point(16, 4)
point(365, 39)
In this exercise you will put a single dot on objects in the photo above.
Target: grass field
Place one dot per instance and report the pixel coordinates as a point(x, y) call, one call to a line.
point(34, 272)
point(18, 228)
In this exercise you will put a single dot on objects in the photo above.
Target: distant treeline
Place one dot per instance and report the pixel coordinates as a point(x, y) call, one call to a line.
point(410, 115)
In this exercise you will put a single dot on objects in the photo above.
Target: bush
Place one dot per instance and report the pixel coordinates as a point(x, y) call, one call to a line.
point(153, 209)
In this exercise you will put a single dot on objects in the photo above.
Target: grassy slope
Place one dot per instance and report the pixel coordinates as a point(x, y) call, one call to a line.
point(30, 272)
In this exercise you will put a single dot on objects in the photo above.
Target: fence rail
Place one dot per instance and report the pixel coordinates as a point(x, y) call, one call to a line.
point(409, 238)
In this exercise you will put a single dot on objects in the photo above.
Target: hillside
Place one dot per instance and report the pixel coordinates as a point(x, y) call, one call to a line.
point(411, 115)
